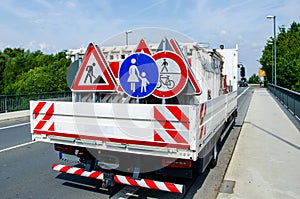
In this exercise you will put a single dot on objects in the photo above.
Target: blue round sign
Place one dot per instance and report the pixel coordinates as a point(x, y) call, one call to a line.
point(138, 75)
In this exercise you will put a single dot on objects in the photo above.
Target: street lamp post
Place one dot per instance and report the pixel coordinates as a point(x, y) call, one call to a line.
point(271, 43)
point(274, 44)
point(127, 32)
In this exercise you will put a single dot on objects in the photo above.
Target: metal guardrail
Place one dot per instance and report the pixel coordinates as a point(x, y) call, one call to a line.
point(290, 99)
point(19, 102)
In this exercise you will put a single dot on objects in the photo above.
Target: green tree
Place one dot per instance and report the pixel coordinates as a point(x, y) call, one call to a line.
point(253, 79)
point(287, 57)
point(32, 72)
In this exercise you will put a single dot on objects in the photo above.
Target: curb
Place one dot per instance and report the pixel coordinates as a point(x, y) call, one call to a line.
point(14, 115)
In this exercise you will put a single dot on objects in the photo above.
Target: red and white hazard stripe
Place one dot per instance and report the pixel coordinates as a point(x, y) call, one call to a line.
point(146, 183)
point(202, 113)
point(42, 114)
point(77, 171)
point(150, 184)
point(172, 124)
point(202, 116)
point(202, 131)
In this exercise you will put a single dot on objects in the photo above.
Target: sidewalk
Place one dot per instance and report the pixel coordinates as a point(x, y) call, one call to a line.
point(266, 160)
point(14, 115)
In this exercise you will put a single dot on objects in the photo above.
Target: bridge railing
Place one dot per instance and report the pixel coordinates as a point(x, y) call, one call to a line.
point(289, 98)
point(19, 102)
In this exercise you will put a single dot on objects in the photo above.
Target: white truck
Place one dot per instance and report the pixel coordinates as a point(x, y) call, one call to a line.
point(141, 111)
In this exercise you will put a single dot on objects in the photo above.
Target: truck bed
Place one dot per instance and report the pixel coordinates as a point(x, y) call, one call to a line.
point(175, 131)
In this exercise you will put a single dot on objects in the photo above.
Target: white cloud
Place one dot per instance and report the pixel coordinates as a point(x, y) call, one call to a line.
point(150, 7)
point(43, 46)
point(31, 44)
point(55, 25)
point(223, 32)
point(44, 3)
point(241, 22)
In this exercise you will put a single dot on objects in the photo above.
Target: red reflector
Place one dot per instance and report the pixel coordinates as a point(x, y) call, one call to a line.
point(64, 148)
point(179, 163)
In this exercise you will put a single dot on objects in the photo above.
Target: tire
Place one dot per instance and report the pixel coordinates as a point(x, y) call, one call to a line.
point(198, 168)
point(214, 160)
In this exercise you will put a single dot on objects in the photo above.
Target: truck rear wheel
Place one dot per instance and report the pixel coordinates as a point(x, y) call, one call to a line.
point(214, 160)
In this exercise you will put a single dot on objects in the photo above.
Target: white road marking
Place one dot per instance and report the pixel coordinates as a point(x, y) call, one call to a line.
point(126, 192)
point(242, 92)
point(12, 126)
point(17, 146)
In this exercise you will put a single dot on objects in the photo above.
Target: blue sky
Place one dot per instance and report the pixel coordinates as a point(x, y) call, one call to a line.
point(55, 25)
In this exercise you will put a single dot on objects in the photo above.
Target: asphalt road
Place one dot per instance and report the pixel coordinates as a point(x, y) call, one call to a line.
point(25, 168)
point(17, 133)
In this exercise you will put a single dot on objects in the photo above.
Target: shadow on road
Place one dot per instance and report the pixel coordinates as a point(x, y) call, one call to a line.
point(275, 136)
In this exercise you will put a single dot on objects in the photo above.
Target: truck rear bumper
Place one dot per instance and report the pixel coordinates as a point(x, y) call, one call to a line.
point(120, 179)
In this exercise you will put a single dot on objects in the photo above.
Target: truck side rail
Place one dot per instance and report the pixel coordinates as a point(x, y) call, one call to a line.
point(153, 129)
point(174, 131)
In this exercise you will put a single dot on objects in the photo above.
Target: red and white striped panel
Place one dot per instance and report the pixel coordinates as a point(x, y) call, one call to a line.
point(202, 116)
point(202, 112)
point(150, 184)
point(202, 131)
point(42, 115)
point(171, 124)
point(146, 183)
point(78, 171)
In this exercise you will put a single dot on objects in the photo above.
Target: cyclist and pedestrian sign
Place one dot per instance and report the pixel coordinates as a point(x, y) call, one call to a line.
point(173, 74)
point(138, 75)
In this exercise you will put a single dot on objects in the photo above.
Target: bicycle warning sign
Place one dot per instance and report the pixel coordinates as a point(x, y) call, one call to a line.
point(173, 74)
point(138, 75)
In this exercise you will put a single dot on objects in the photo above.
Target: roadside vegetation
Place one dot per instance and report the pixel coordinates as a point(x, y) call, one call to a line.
point(254, 79)
point(287, 57)
point(23, 72)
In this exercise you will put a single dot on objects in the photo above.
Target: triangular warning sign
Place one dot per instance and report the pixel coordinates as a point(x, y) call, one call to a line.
point(165, 45)
point(107, 66)
point(191, 75)
point(94, 73)
point(142, 47)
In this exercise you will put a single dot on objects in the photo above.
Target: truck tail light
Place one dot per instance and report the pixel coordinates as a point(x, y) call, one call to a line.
point(179, 163)
point(64, 148)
